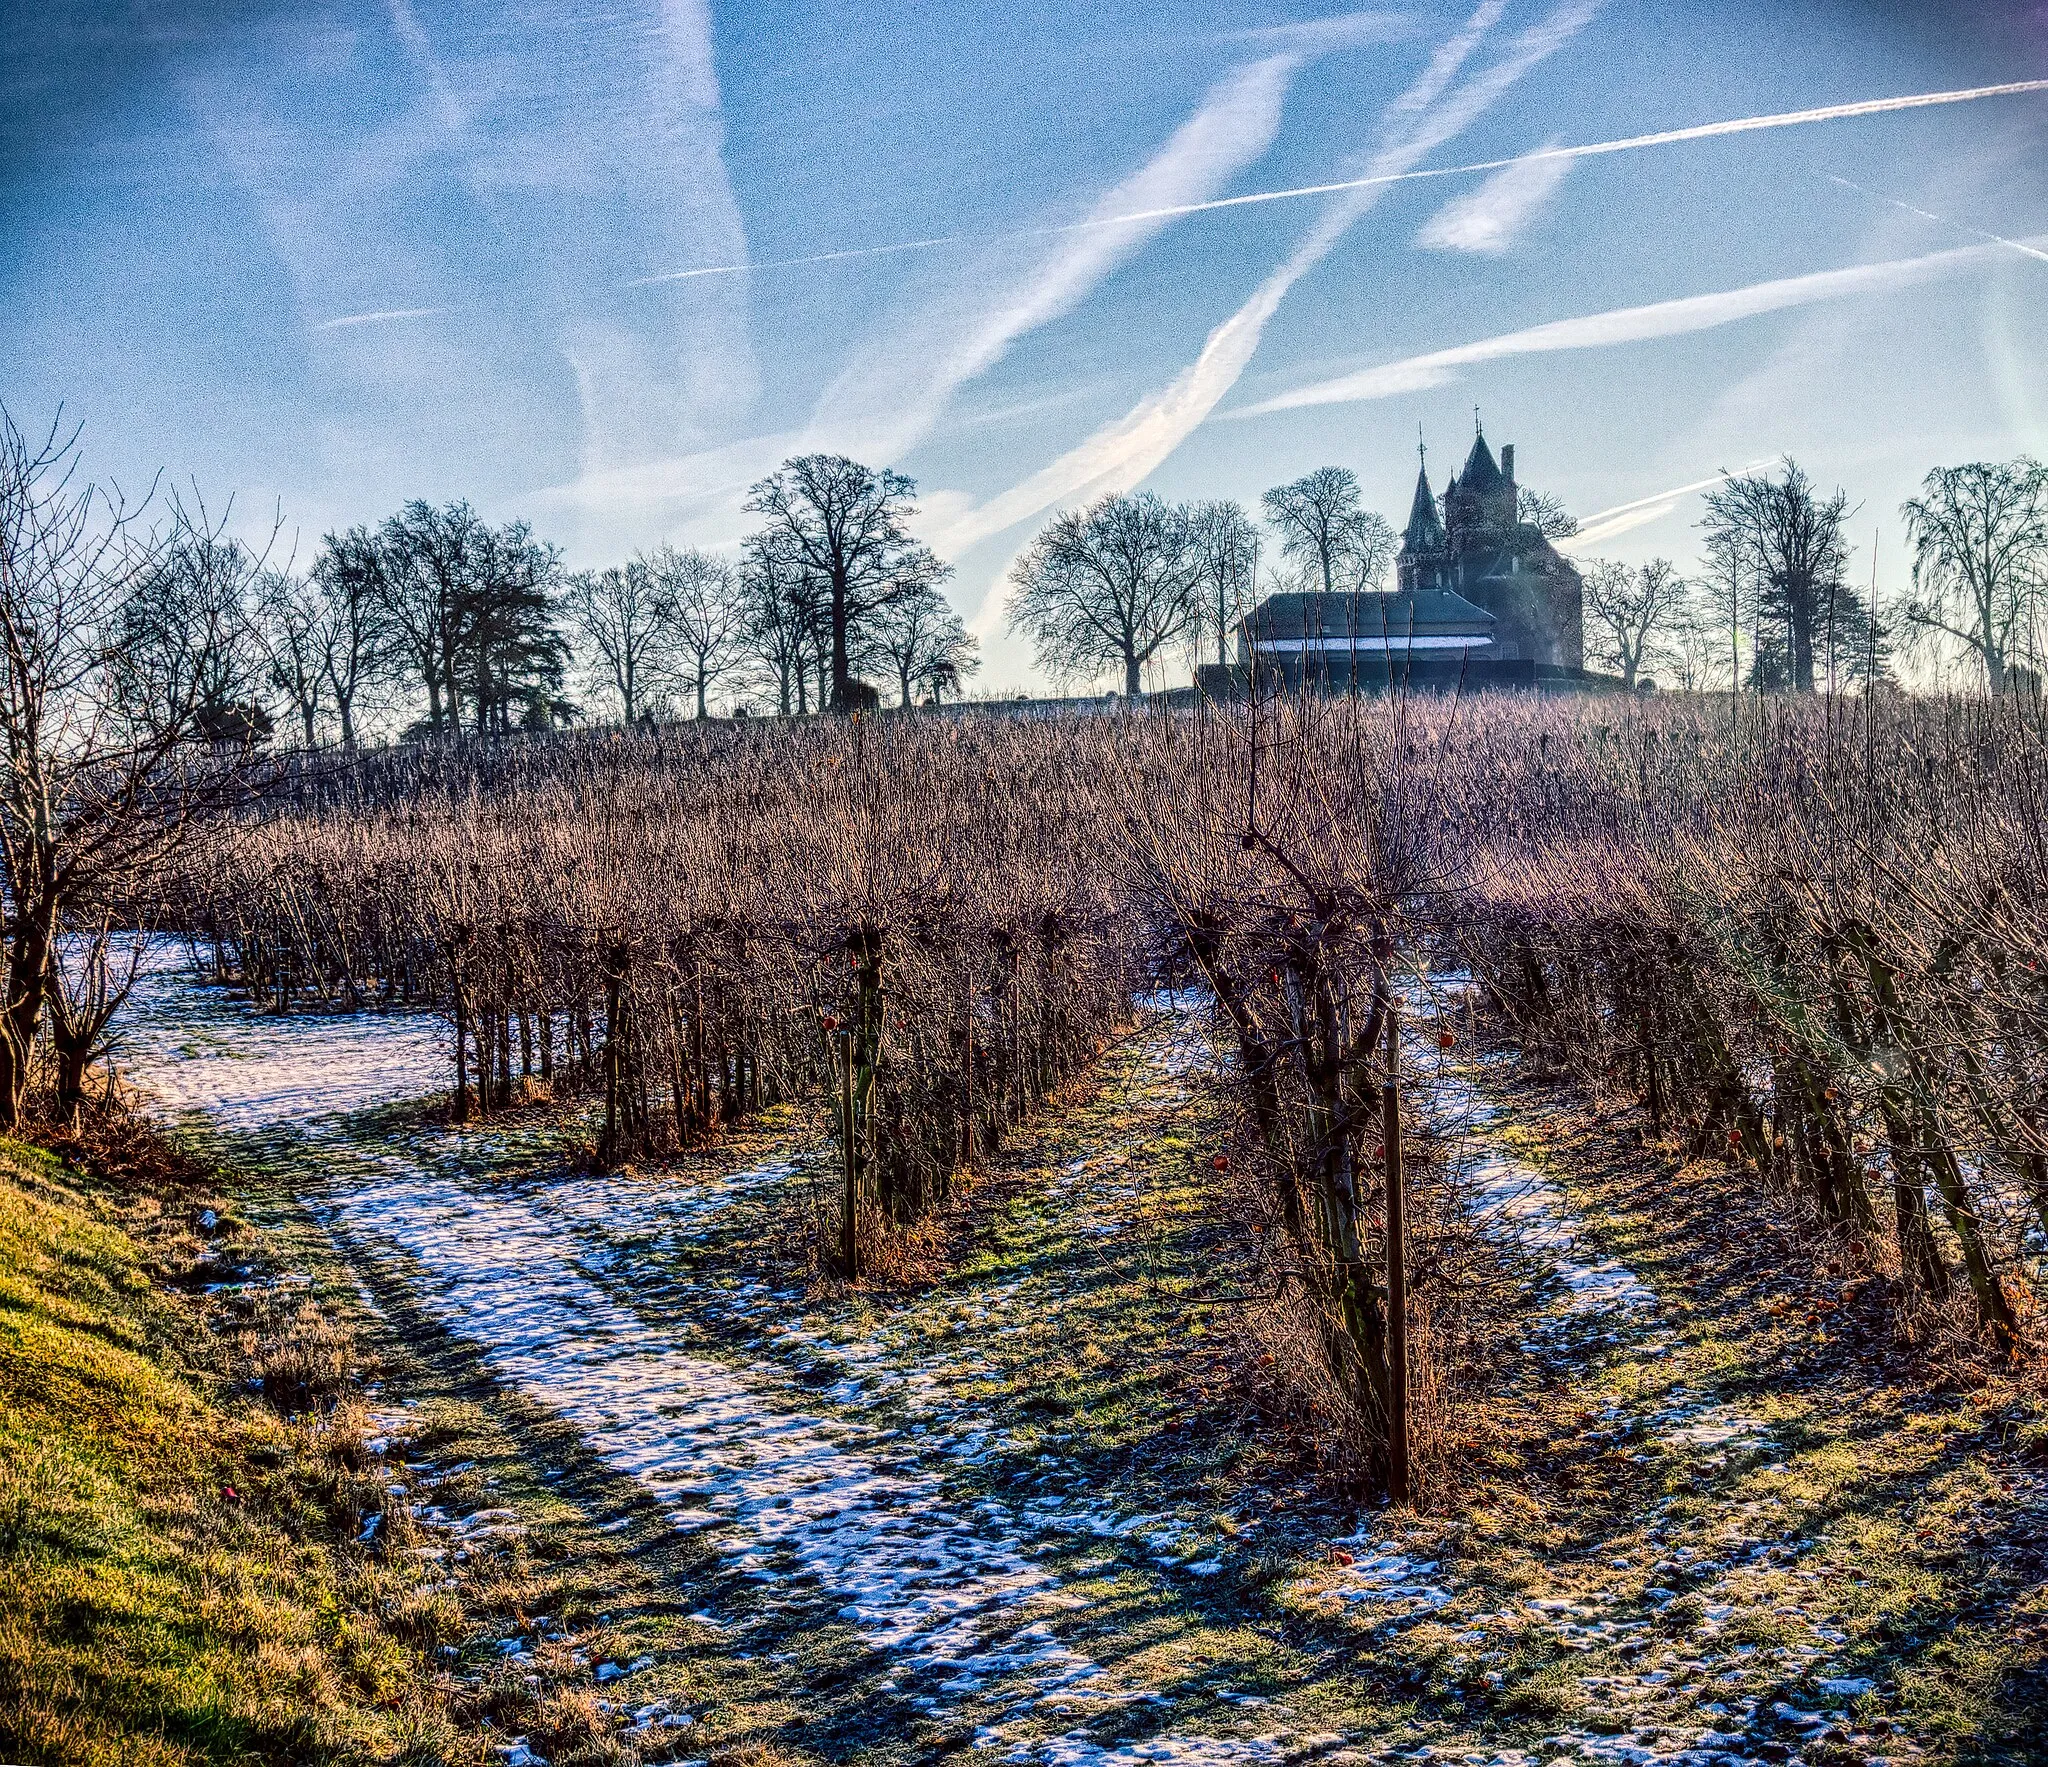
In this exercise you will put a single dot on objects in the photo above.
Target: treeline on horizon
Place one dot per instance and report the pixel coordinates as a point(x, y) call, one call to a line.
point(435, 622)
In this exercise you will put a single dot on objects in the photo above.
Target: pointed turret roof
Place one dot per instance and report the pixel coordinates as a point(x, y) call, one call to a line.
point(1425, 531)
point(1480, 474)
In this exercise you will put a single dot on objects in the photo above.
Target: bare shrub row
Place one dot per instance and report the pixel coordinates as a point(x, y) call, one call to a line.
point(1809, 939)
point(1806, 937)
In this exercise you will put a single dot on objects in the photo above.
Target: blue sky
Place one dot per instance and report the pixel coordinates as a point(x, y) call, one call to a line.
point(328, 257)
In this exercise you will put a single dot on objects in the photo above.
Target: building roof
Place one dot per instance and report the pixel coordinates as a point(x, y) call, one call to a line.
point(1427, 613)
point(1480, 474)
point(1425, 531)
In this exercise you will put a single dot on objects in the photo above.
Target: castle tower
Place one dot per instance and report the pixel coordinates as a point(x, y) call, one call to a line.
point(1481, 549)
point(1425, 551)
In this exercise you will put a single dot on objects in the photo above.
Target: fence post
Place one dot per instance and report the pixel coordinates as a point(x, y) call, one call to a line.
point(1397, 1263)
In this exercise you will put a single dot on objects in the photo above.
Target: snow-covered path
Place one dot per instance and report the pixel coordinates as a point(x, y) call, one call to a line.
point(928, 1567)
point(836, 1474)
point(202, 1051)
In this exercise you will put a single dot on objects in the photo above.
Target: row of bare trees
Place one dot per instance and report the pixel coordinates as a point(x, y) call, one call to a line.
point(1773, 607)
point(833, 587)
point(925, 928)
point(1131, 578)
point(697, 920)
point(1809, 941)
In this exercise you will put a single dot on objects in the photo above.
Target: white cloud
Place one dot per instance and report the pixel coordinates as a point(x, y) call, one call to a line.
point(1487, 221)
point(1624, 325)
point(1124, 453)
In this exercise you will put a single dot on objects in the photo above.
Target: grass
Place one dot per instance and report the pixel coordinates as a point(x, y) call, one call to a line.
point(188, 1420)
point(174, 1583)
point(1918, 1513)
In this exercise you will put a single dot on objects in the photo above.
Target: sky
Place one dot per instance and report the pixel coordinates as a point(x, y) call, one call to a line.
point(602, 264)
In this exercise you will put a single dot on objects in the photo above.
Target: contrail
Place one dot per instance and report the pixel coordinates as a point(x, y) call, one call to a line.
point(348, 319)
point(1829, 113)
point(1942, 220)
point(1789, 119)
point(864, 251)
point(1624, 325)
point(1623, 516)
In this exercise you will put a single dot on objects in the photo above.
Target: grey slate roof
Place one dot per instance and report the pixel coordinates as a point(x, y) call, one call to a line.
point(1425, 531)
point(1481, 473)
point(1426, 613)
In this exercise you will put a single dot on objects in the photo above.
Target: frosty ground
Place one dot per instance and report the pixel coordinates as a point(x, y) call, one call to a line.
point(1026, 1508)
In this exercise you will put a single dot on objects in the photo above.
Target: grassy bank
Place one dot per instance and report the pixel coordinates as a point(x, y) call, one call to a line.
point(177, 1579)
point(203, 1551)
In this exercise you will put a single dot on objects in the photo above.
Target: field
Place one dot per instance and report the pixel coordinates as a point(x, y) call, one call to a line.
point(1307, 1232)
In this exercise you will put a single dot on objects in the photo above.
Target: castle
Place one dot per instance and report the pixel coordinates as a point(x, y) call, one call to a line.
point(1483, 600)
point(1481, 549)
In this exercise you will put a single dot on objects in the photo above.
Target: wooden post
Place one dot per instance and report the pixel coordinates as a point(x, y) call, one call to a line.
point(849, 1244)
point(1397, 1264)
point(456, 947)
point(967, 1090)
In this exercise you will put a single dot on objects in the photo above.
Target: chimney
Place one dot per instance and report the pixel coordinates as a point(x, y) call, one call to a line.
point(1507, 463)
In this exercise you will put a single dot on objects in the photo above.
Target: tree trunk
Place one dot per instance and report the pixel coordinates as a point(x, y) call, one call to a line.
point(1134, 682)
point(1398, 1483)
point(28, 982)
point(1799, 616)
point(842, 674)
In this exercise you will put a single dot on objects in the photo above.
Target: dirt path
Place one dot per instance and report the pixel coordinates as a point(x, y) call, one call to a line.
point(1012, 1512)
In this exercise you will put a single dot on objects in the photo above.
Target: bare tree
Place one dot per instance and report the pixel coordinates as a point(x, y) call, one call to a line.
point(90, 982)
point(1369, 548)
point(1115, 583)
point(348, 578)
point(1980, 559)
point(780, 598)
point(510, 651)
point(291, 624)
point(428, 560)
point(1545, 513)
point(1228, 540)
point(697, 595)
point(97, 792)
point(921, 636)
point(1697, 644)
point(1791, 542)
point(1633, 608)
point(1729, 589)
point(619, 610)
point(947, 666)
point(191, 637)
point(1315, 515)
point(847, 522)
